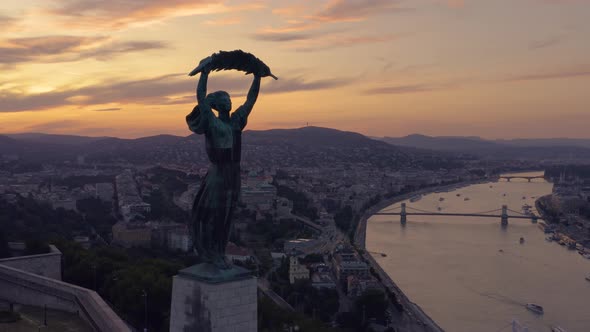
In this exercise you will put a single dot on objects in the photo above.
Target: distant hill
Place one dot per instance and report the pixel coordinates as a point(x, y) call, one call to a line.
point(309, 136)
point(457, 144)
point(307, 146)
point(547, 142)
point(54, 139)
point(535, 149)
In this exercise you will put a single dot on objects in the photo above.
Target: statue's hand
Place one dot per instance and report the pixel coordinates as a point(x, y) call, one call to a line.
point(205, 64)
point(203, 67)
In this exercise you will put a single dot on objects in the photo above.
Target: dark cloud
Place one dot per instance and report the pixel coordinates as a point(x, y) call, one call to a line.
point(68, 48)
point(163, 90)
point(544, 43)
point(111, 109)
point(53, 125)
point(338, 41)
point(400, 89)
point(280, 37)
point(300, 84)
point(580, 71)
point(116, 49)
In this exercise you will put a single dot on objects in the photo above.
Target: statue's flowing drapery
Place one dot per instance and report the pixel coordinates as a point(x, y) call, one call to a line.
point(219, 192)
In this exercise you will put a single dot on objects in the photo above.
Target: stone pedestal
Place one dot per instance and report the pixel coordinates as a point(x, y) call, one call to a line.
point(206, 299)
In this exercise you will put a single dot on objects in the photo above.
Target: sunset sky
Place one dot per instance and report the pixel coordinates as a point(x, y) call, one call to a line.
point(489, 68)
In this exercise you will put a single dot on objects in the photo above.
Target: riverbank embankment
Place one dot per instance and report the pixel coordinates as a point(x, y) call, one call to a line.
point(419, 320)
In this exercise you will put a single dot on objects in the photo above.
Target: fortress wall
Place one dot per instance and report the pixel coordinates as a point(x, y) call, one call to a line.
point(48, 265)
point(18, 286)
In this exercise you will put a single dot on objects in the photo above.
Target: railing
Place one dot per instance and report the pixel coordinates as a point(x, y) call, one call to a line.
point(93, 308)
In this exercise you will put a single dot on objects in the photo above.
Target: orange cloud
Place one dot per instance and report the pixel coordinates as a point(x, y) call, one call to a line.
point(162, 90)
point(299, 32)
point(331, 41)
point(223, 21)
point(356, 10)
point(120, 14)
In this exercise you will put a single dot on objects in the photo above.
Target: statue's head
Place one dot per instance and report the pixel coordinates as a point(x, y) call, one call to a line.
point(220, 101)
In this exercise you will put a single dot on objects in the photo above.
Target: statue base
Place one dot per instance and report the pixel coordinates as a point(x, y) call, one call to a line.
point(208, 299)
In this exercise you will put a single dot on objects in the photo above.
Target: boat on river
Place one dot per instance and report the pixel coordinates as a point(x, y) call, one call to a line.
point(588, 278)
point(441, 199)
point(517, 327)
point(416, 198)
point(557, 329)
point(535, 308)
point(466, 199)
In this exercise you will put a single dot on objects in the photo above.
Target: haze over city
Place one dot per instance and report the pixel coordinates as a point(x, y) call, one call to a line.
point(496, 69)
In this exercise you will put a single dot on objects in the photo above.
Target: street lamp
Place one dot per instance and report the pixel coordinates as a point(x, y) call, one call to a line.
point(94, 275)
point(144, 295)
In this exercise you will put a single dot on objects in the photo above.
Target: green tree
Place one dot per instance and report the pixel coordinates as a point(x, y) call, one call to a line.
point(371, 304)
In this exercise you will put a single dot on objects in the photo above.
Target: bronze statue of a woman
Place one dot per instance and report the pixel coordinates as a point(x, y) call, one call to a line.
point(211, 216)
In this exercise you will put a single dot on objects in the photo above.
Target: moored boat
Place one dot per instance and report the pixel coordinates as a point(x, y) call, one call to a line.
point(535, 308)
point(557, 329)
point(517, 327)
point(415, 198)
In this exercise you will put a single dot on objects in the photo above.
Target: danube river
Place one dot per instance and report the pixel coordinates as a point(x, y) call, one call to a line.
point(469, 274)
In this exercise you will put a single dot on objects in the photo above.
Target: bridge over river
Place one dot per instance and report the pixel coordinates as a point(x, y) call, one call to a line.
point(501, 213)
point(530, 178)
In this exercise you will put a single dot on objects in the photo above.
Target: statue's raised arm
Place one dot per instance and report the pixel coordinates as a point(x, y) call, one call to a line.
point(252, 96)
point(202, 85)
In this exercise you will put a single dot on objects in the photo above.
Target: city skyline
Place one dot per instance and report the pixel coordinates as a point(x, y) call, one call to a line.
point(501, 69)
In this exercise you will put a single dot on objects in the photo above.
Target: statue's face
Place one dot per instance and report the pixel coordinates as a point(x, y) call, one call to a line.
point(223, 104)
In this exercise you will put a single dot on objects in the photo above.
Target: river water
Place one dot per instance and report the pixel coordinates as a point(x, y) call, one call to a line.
point(452, 267)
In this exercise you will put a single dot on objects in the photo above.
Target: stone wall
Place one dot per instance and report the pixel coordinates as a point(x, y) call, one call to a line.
point(18, 286)
point(48, 265)
point(213, 307)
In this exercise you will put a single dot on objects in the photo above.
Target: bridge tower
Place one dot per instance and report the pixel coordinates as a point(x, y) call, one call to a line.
point(534, 218)
point(403, 214)
point(529, 179)
point(508, 179)
point(504, 215)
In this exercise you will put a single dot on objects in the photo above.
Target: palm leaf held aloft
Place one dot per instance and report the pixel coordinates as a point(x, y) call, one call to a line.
point(236, 60)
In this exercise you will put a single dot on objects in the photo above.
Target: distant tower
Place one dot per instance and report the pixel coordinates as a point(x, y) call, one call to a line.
point(403, 214)
point(504, 215)
point(562, 177)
